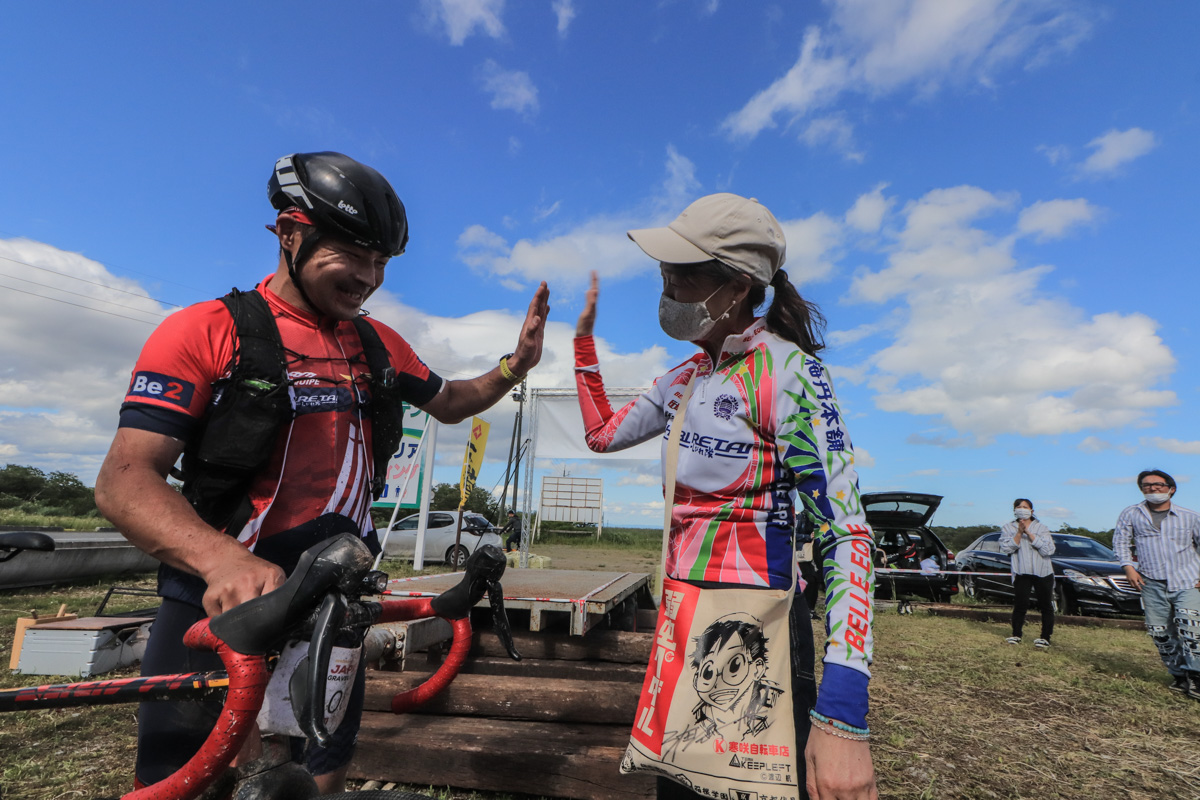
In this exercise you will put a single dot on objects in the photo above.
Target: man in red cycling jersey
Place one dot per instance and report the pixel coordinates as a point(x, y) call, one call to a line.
point(338, 224)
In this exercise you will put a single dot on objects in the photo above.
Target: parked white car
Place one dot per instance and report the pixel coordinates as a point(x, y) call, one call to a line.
point(439, 537)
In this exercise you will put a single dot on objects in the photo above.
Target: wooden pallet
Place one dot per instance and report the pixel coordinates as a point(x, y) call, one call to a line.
point(554, 724)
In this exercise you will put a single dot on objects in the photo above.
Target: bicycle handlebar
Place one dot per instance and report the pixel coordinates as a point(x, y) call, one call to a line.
point(329, 577)
point(248, 676)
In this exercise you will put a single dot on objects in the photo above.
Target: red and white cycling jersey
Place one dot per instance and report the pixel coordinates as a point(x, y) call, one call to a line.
point(322, 461)
point(761, 428)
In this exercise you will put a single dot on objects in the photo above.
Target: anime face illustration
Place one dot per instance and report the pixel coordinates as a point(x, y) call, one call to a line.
point(730, 666)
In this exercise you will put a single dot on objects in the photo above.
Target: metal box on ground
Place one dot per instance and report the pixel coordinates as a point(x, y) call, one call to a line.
point(84, 647)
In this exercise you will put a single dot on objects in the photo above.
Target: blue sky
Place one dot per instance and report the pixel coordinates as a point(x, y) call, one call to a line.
point(993, 202)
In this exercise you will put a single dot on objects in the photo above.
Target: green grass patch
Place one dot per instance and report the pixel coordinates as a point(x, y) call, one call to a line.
point(956, 712)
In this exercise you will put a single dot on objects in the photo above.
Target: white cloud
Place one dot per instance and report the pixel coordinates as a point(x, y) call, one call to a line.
point(835, 132)
point(652, 480)
point(1051, 219)
point(876, 47)
point(863, 459)
point(809, 242)
point(986, 349)
point(65, 369)
point(1172, 445)
point(1054, 153)
point(1100, 481)
point(1116, 148)
point(570, 254)
point(540, 214)
point(868, 211)
point(510, 89)
point(564, 12)
point(1093, 444)
point(1055, 512)
point(462, 18)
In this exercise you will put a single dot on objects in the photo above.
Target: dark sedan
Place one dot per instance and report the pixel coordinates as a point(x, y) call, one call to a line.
point(902, 539)
point(1088, 576)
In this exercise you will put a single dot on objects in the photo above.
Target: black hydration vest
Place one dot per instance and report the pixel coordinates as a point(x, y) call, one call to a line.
point(253, 405)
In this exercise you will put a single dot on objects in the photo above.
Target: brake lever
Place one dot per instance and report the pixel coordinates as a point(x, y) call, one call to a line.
point(310, 678)
point(500, 619)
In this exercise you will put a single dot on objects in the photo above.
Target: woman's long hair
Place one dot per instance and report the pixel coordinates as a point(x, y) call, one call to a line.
point(790, 316)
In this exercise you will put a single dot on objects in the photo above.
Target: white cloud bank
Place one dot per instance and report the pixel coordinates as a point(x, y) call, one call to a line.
point(64, 370)
point(877, 47)
point(984, 347)
point(572, 251)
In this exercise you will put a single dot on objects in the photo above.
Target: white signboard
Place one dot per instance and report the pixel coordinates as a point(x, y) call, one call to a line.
point(572, 500)
point(404, 470)
point(560, 429)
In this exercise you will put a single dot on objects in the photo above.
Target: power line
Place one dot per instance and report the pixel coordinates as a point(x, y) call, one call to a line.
point(78, 294)
point(85, 280)
point(77, 305)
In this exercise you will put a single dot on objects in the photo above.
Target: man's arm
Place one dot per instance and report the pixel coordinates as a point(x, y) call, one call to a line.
point(461, 399)
point(132, 493)
point(1122, 544)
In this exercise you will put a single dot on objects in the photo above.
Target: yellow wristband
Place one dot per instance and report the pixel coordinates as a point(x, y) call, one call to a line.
point(508, 374)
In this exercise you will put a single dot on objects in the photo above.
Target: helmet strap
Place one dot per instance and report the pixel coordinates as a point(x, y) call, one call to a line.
point(303, 253)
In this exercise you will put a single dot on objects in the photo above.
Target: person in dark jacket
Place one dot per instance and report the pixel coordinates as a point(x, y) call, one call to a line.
point(513, 529)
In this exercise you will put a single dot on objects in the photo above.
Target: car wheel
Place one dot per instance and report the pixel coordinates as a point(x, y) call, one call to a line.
point(457, 556)
point(1063, 605)
point(968, 586)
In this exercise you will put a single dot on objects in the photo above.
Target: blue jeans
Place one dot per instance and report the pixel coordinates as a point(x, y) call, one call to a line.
point(1173, 622)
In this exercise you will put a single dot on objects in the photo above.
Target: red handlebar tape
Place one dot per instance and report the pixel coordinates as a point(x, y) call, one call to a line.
point(416, 608)
point(248, 676)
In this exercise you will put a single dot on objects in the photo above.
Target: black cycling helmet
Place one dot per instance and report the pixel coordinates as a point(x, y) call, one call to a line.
point(343, 198)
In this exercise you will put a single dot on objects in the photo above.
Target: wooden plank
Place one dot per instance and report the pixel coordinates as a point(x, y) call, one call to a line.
point(544, 669)
point(571, 761)
point(621, 647)
point(524, 698)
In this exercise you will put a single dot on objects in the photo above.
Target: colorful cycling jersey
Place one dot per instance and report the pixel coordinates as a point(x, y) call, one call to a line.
point(322, 462)
point(761, 425)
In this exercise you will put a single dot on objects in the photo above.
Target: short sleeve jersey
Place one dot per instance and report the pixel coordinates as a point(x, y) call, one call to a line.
point(322, 461)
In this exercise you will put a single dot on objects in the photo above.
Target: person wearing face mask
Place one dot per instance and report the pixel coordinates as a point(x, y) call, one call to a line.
point(1167, 573)
point(1029, 543)
point(763, 425)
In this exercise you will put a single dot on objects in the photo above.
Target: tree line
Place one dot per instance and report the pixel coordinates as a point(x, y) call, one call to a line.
point(29, 490)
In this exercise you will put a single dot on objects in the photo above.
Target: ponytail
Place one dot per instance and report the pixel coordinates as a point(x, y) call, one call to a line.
point(790, 316)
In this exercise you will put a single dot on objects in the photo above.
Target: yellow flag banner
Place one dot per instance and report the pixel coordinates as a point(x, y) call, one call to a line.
point(473, 460)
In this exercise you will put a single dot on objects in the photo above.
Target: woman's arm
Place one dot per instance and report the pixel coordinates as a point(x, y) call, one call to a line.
point(1008, 538)
point(814, 444)
point(1043, 542)
point(607, 430)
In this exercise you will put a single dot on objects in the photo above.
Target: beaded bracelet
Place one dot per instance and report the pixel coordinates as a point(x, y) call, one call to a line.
point(832, 731)
point(864, 732)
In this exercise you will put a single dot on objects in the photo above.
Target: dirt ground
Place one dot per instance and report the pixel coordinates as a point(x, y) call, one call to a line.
point(566, 556)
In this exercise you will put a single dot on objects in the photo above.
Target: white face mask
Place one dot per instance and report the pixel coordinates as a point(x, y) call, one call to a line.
point(687, 322)
point(1022, 513)
point(1157, 497)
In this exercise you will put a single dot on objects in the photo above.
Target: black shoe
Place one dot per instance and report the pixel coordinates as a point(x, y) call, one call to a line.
point(1193, 689)
point(1179, 683)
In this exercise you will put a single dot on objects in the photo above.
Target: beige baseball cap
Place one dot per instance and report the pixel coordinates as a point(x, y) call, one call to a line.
point(738, 231)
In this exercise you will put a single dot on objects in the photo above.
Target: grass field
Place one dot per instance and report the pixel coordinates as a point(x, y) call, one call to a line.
point(956, 712)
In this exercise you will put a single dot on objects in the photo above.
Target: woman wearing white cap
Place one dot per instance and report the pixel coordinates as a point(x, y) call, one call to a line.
point(762, 426)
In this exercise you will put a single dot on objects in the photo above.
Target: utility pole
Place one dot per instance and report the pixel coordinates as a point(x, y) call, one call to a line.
point(513, 467)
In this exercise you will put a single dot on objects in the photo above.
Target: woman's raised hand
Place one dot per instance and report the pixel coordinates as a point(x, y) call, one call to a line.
point(587, 317)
